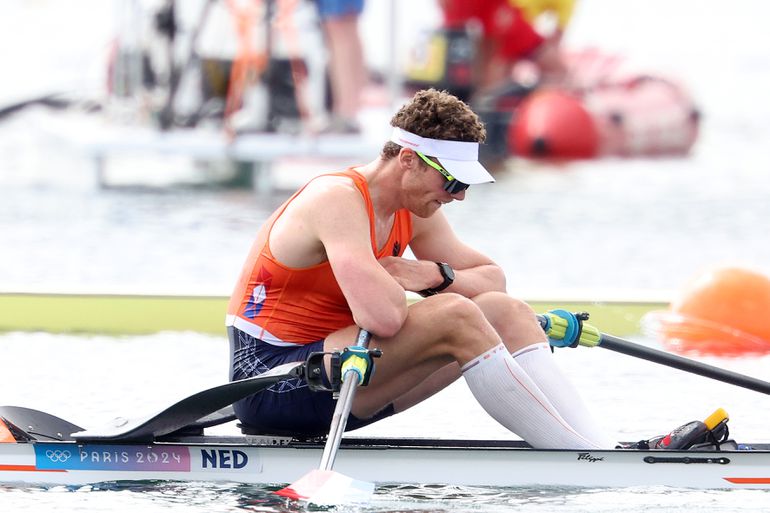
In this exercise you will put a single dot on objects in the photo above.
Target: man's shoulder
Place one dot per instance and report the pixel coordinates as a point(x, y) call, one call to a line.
point(328, 191)
point(335, 182)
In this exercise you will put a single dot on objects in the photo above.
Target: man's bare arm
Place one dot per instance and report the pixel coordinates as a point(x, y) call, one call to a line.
point(341, 223)
point(435, 241)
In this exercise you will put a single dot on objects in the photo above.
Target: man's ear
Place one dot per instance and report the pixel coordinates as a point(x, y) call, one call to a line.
point(406, 158)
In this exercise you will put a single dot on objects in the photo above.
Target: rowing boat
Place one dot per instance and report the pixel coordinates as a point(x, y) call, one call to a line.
point(140, 314)
point(174, 445)
point(276, 461)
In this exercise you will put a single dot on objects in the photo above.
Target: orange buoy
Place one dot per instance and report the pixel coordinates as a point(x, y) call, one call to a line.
point(722, 312)
point(553, 124)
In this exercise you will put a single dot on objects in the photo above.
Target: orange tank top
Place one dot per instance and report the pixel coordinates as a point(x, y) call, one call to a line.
point(294, 306)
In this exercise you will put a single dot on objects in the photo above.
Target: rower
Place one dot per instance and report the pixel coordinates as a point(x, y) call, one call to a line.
point(331, 259)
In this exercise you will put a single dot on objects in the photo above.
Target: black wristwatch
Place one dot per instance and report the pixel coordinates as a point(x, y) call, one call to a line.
point(449, 277)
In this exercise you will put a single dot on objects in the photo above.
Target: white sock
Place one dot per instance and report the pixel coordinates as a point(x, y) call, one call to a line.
point(513, 399)
point(538, 363)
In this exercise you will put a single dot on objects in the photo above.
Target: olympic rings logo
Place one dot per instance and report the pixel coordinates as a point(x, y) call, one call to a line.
point(57, 455)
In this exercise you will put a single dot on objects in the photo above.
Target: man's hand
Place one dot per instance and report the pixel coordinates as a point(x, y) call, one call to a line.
point(412, 275)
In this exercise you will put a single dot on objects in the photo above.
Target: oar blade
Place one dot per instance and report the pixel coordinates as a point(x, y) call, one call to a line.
point(327, 488)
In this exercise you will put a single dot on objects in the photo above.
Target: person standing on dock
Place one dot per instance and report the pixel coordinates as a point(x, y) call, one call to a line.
point(510, 34)
point(347, 67)
point(330, 260)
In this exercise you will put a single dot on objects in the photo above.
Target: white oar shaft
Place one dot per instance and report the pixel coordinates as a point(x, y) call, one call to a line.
point(342, 410)
point(339, 421)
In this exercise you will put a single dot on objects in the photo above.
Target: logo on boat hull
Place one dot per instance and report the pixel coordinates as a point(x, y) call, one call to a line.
point(586, 456)
point(223, 458)
point(112, 457)
point(57, 455)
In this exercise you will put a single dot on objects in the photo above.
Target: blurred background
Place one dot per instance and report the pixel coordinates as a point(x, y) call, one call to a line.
point(143, 142)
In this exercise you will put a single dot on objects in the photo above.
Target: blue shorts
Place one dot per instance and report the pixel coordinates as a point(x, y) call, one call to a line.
point(337, 8)
point(288, 407)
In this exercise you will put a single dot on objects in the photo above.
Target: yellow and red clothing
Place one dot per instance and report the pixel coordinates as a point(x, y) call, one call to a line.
point(283, 305)
point(509, 22)
point(562, 9)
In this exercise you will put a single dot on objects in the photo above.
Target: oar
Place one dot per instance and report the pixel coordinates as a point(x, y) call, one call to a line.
point(679, 362)
point(323, 485)
point(589, 336)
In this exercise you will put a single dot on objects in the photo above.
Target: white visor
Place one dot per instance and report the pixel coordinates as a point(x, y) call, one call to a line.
point(461, 159)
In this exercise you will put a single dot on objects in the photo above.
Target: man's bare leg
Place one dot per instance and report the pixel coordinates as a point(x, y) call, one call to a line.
point(529, 346)
point(509, 318)
point(428, 341)
point(347, 70)
point(449, 328)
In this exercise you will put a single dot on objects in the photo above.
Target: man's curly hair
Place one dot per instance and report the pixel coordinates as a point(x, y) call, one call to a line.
point(437, 115)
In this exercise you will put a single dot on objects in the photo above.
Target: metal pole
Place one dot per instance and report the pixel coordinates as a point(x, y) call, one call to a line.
point(342, 410)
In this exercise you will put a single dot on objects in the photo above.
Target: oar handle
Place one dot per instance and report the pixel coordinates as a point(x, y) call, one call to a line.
point(342, 410)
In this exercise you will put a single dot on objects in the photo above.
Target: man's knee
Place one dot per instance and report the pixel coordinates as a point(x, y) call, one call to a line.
point(461, 328)
point(456, 313)
point(501, 305)
point(512, 318)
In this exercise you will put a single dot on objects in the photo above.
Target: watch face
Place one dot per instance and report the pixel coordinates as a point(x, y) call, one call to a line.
point(449, 277)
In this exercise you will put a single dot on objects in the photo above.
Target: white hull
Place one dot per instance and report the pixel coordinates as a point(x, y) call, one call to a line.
point(483, 463)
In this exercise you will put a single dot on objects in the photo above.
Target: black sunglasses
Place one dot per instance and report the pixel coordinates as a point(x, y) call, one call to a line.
point(452, 185)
